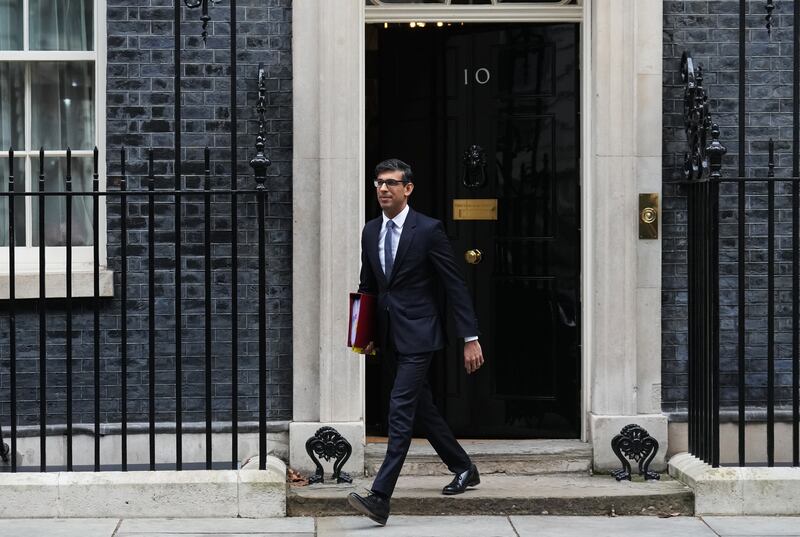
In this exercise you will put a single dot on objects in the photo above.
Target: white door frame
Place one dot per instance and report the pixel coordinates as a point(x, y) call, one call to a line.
point(621, 155)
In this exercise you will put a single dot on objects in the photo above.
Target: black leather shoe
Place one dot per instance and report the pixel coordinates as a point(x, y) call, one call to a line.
point(373, 506)
point(460, 482)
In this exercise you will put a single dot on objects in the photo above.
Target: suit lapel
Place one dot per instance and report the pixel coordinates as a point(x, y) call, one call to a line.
point(406, 237)
point(374, 235)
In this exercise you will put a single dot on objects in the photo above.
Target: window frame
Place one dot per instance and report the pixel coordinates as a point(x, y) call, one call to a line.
point(27, 257)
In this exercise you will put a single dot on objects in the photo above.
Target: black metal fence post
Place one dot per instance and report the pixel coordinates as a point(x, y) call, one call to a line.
point(69, 312)
point(12, 322)
point(96, 300)
point(151, 307)
point(123, 285)
point(178, 310)
point(42, 321)
point(796, 239)
point(715, 151)
point(742, 187)
point(702, 172)
point(207, 271)
point(771, 307)
point(259, 163)
point(234, 252)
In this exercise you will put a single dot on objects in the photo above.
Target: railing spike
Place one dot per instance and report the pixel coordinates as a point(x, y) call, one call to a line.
point(260, 162)
point(770, 7)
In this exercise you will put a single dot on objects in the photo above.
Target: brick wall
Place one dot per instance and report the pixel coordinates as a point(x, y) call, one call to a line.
point(140, 108)
point(710, 31)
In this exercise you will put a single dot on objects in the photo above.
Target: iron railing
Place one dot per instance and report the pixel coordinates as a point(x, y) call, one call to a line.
point(155, 198)
point(150, 198)
point(757, 256)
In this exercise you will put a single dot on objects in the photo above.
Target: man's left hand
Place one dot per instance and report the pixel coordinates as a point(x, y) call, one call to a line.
point(473, 356)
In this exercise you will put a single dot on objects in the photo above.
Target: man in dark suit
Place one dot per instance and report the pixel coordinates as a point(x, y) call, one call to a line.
point(405, 257)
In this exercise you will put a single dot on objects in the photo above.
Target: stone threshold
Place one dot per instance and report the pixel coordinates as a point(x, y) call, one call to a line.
point(249, 493)
point(738, 491)
point(513, 457)
point(498, 494)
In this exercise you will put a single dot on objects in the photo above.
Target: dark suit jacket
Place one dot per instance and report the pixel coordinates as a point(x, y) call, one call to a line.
point(409, 299)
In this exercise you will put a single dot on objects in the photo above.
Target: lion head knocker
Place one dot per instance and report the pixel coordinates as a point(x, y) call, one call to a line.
point(474, 167)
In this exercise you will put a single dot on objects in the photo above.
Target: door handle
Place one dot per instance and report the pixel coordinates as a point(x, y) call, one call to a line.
point(473, 257)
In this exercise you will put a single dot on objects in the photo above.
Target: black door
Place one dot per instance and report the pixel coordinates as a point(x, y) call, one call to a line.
point(487, 116)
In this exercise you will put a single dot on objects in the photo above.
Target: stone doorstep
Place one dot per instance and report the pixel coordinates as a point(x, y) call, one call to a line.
point(514, 457)
point(498, 494)
point(738, 491)
point(248, 492)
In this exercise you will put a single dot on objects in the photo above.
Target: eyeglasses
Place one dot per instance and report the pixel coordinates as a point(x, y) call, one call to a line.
point(388, 182)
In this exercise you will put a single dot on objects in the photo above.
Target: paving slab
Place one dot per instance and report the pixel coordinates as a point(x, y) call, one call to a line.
point(217, 526)
point(754, 526)
point(257, 534)
point(58, 527)
point(189, 493)
point(498, 494)
point(417, 526)
point(633, 526)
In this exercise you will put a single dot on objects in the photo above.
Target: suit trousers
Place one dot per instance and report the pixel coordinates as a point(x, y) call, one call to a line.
point(411, 398)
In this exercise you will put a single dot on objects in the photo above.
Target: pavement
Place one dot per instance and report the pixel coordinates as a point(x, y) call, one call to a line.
point(410, 526)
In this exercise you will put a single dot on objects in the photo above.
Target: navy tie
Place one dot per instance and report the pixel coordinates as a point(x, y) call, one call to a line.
point(388, 257)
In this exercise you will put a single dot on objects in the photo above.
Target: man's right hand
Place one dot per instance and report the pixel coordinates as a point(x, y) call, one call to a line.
point(371, 348)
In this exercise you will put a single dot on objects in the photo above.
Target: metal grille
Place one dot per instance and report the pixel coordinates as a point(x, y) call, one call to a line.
point(756, 209)
point(150, 225)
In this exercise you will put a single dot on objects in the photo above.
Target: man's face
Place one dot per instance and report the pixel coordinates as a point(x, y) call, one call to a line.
point(393, 199)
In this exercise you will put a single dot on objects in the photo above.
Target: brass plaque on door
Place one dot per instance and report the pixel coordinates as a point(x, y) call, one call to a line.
point(475, 209)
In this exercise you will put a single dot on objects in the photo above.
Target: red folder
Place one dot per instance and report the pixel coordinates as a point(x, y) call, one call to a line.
point(361, 329)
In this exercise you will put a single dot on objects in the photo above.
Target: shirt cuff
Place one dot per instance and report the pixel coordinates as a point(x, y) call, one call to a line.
point(470, 338)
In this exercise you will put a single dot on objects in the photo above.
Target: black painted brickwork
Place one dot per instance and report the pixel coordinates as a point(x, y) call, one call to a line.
point(140, 108)
point(709, 30)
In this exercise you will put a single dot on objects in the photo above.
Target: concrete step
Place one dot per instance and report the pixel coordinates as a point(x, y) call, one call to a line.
point(514, 457)
point(498, 494)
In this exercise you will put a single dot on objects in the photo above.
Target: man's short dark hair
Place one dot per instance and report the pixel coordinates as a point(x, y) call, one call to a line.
point(392, 165)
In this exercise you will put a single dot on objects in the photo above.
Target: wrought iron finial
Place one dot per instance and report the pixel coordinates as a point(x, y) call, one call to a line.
point(474, 167)
point(123, 179)
point(204, 16)
point(770, 7)
point(11, 171)
point(151, 176)
point(260, 162)
point(329, 444)
point(636, 444)
point(703, 159)
point(715, 151)
point(68, 178)
point(771, 161)
point(41, 169)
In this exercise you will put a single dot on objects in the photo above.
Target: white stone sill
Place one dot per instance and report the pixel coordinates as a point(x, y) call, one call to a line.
point(245, 493)
point(738, 491)
point(27, 284)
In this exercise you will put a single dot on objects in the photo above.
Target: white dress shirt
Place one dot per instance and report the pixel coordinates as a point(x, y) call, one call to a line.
point(398, 220)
